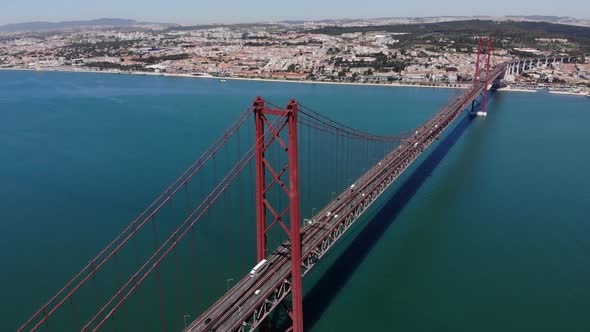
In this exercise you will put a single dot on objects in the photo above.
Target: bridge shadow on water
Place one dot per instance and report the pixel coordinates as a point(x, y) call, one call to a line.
point(319, 298)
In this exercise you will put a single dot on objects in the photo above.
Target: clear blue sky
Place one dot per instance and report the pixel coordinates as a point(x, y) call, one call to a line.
point(227, 11)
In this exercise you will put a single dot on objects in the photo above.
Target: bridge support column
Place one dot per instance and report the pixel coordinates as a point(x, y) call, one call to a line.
point(260, 180)
point(484, 54)
point(287, 121)
point(295, 236)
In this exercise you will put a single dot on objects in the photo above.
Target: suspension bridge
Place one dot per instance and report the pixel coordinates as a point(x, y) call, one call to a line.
point(225, 247)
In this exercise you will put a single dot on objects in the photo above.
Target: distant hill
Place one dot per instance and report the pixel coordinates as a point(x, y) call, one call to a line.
point(496, 28)
point(440, 19)
point(40, 26)
point(518, 31)
point(345, 22)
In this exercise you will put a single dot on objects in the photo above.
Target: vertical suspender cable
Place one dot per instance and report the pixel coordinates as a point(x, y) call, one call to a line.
point(242, 248)
point(119, 283)
point(309, 185)
point(75, 322)
point(194, 256)
point(159, 278)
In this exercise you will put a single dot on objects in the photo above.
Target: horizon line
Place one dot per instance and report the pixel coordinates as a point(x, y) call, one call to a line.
point(290, 20)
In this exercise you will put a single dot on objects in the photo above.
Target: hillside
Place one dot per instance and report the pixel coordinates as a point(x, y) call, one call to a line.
point(40, 26)
point(514, 34)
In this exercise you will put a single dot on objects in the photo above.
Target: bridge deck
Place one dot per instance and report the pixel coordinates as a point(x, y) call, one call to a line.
point(253, 298)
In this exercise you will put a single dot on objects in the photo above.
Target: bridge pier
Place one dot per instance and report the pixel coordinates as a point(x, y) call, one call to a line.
point(515, 69)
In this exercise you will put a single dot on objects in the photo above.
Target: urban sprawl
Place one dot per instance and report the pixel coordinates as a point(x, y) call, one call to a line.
point(284, 52)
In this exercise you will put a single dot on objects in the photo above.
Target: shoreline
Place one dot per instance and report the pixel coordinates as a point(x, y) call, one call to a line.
point(403, 85)
point(518, 90)
point(260, 79)
point(256, 79)
point(579, 94)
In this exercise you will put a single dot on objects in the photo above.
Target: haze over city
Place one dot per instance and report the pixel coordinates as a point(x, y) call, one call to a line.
point(237, 11)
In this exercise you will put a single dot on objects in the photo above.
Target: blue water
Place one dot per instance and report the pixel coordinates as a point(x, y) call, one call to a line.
point(488, 234)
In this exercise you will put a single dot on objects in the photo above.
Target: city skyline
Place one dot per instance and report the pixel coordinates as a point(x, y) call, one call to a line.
point(183, 12)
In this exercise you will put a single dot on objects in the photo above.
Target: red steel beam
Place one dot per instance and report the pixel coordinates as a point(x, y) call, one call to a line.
point(260, 180)
point(295, 236)
point(488, 42)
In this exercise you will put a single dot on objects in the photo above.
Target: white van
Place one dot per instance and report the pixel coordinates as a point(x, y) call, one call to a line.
point(259, 267)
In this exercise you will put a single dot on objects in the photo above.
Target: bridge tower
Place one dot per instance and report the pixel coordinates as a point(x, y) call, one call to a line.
point(287, 121)
point(482, 70)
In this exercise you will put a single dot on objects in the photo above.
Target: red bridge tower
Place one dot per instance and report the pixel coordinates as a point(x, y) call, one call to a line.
point(263, 205)
point(482, 70)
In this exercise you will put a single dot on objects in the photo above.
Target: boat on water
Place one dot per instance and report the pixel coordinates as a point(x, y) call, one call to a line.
point(223, 81)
